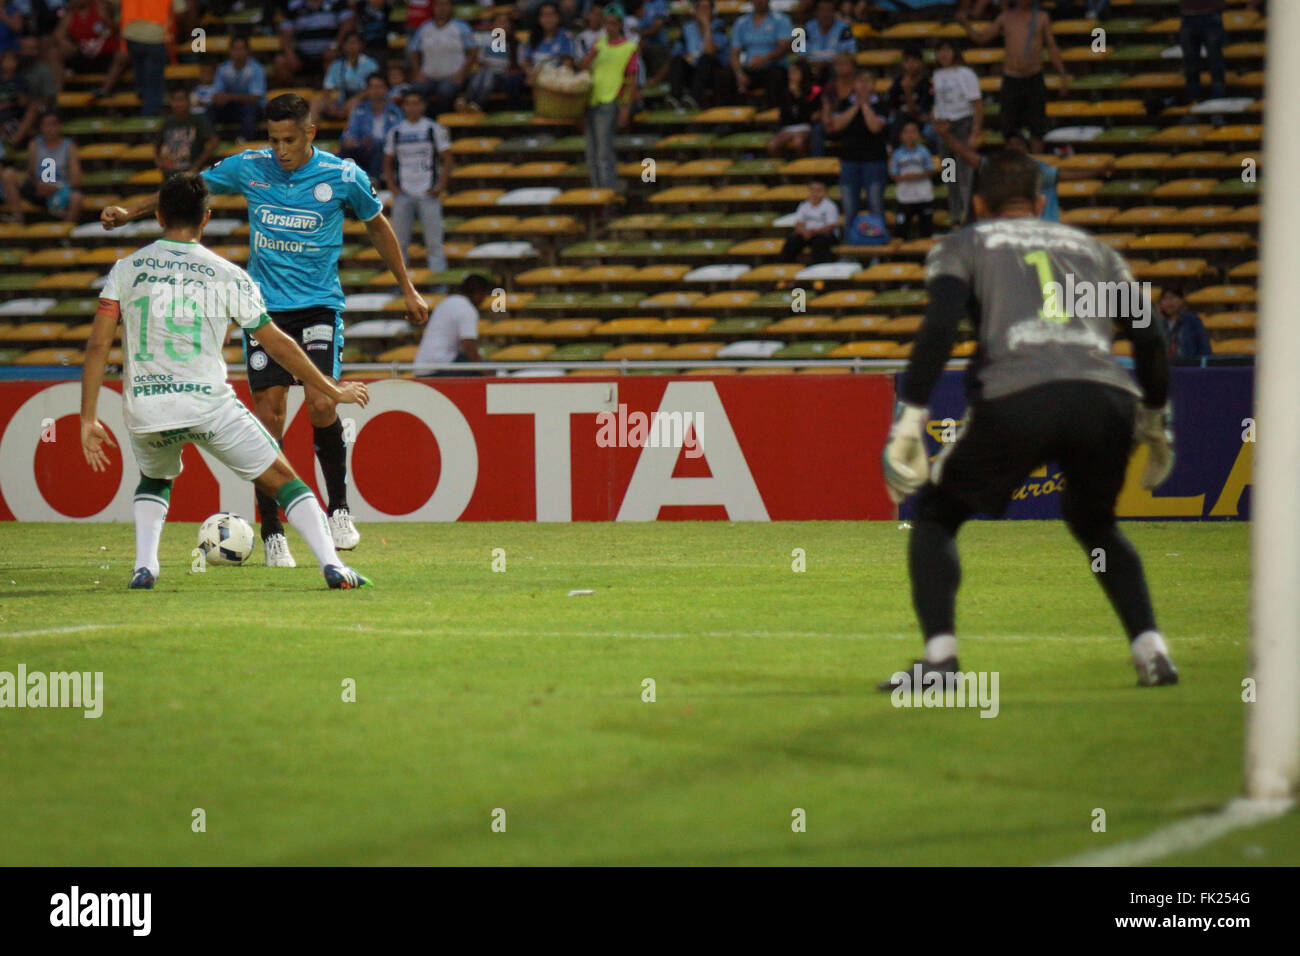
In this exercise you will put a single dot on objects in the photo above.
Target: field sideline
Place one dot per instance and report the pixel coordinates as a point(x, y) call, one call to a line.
point(479, 690)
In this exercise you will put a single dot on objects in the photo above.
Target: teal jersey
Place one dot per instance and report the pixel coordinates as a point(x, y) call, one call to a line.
point(296, 222)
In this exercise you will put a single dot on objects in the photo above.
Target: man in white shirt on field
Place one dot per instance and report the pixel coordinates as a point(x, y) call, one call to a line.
point(452, 332)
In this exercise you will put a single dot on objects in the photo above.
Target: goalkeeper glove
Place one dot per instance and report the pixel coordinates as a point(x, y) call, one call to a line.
point(1153, 429)
point(904, 460)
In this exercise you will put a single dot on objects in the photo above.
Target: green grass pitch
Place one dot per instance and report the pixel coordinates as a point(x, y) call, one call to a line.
point(478, 690)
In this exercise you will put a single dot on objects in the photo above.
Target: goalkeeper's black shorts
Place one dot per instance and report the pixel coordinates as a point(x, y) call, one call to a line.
point(1083, 427)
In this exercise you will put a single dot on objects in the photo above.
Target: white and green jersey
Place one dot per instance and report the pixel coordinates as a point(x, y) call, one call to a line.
point(176, 301)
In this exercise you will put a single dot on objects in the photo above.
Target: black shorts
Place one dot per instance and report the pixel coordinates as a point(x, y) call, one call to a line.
point(318, 329)
point(1024, 105)
point(1086, 428)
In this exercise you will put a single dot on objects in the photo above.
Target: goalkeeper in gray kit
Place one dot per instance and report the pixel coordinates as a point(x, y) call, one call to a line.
point(1046, 301)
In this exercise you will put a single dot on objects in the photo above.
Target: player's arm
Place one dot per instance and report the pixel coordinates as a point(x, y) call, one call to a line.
point(289, 355)
point(114, 216)
point(1154, 424)
point(985, 36)
point(385, 240)
point(94, 436)
point(904, 461)
point(1054, 53)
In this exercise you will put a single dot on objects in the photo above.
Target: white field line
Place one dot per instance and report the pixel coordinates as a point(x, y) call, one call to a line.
point(1189, 834)
point(69, 629)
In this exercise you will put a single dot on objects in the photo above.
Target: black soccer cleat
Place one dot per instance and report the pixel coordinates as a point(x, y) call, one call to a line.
point(142, 580)
point(1158, 672)
point(342, 578)
point(905, 679)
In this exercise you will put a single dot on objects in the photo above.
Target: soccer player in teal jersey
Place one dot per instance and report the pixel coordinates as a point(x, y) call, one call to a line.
point(297, 197)
point(175, 299)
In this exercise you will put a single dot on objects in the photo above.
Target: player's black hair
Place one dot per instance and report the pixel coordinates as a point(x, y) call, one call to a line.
point(182, 200)
point(1174, 288)
point(474, 284)
point(238, 38)
point(376, 75)
point(913, 51)
point(1007, 176)
point(957, 57)
point(288, 106)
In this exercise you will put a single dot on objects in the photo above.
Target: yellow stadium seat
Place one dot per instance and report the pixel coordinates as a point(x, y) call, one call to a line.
point(736, 299)
point(1160, 240)
point(67, 280)
point(800, 324)
point(1185, 188)
point(1222, 240)
point(842, 299)
point(636, 351)
point(630, 326)
point(773, 272)
point(527, 352)
point(892, 272)
point(679, 195)
point(481, 171)
point(702, 167)
point(672, 300)
point(1231, 321)
point(473, 197)
point(859, 323)
point(587, 197)
point(1145, 216)
point(872, 349)
point(1173, 268)
point(1141, 161)
point(668, 272)
point(725, 114)
point(1233, 347)
point(51, 356)
point(1223, 295)
point(903, 325)
point(548, 275)
point(515, 327)
point(1204, 215)
point(571, 328)
point(692, 351)
point(757, 247)
point(52, 258)
point(602, 274)
point(812, 166)
point(1246, 270)
point(1089, 217)
point(688, 325)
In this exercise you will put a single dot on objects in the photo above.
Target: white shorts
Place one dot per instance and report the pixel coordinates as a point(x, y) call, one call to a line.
point(231, 435)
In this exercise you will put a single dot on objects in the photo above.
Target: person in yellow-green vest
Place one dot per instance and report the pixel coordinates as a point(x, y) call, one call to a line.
point(614, 63)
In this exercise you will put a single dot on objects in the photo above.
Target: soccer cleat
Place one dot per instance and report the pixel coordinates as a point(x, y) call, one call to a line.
point(142, 580)
point(343, 531)
point(277, 552)
point(342, 578)
point(1158, 671)
point(904, 679)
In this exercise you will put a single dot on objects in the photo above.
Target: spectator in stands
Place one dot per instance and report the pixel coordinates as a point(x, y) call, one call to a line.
point(499, 69)
point(911, 95)
point(418, 13)
point(11, 24)
point(593, 21)
point(53, 175)
point(452, 332)
point(759, 42)
point(1026, 30)
point(444, 53)
point(85, 39)
point(860, 139)
point(816, 224)
point(40, 87)
point(239, 90)
point(1053, 175)
point(310, 35)
point(699, 59)
point(12, 106)
point(614, 63)
point(1183, 327)
point(547, 40)
point(397, 85)
point(825, 36)
point(911, 166)
point(1202, 26)
point(145, 26)
point(652, 19)
point(800, 106)
point(205, 90)
point(186, 142)
point(369, 124)
point(417, 166)
point(959, 108)
point(372, 23)
point(345, 80)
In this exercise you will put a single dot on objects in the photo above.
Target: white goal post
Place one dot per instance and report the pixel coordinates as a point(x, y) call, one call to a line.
point(1272, 763)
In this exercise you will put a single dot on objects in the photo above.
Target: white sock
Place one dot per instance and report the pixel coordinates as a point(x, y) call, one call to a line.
point(940, 648)
point(1146, 646)
point(306, 517)
point(150, 514)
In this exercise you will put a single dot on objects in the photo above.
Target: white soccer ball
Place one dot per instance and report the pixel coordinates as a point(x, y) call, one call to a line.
point(225, 538)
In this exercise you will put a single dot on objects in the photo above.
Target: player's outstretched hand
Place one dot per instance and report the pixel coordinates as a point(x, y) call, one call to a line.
point(1153, 428)
point(354, 393)
point(113, 216)
point(417, 310)
point(904, 461)
point(94, 437)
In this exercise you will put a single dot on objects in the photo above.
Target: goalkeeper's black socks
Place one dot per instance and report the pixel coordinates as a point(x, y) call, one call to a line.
point(332, 452)
point(936, 572)
point(1119, 571)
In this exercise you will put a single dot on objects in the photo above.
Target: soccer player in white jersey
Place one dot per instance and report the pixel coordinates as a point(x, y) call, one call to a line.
point(176, 300)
